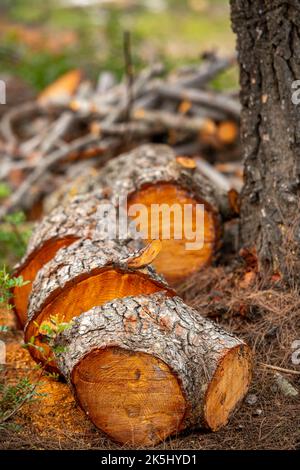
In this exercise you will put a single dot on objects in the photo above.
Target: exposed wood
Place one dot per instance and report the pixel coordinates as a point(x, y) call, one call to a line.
point(150, 175)
point(62, 227)
point(62, 89)
point(147, 367)
point(83, 275)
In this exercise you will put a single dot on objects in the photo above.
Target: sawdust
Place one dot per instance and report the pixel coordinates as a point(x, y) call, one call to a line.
point(55, 408)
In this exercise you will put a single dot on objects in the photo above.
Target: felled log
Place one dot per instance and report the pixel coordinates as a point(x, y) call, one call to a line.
point(85, 274)
point(152, 174)
point(146, 367)
point(62, 227)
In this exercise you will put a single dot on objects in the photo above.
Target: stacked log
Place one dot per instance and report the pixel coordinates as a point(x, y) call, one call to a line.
point(142, 364)
point(146, 367)
point(154, 175)
point(62, 227)
point(86, 274)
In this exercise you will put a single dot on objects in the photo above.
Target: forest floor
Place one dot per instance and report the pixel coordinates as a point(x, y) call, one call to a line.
point(264, 315)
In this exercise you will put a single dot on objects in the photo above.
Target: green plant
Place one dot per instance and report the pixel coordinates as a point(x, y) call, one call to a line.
point(50, 330)
point(14, 236)
point(13, 397)
point(7, 283)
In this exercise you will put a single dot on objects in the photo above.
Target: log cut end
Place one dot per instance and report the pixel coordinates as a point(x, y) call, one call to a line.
point(133, 397)
point(144, 368)
point(29, 270)
point(176, 227)
point(228, 387)
point(80, 296)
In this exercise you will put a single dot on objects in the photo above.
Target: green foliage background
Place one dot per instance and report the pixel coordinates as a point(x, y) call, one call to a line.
point(175, 31)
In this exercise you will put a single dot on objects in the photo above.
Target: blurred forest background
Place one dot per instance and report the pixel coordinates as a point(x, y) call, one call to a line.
point(40, 40)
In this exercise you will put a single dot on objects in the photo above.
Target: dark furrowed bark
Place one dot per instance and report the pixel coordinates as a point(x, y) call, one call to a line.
point(268, 40)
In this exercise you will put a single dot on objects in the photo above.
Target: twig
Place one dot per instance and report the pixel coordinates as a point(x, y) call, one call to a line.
point(213, 175)
point(137, 89)
point(8, 120)
point(44, 165)
point(208, 70)
point(209, 99)
point(135, 129)
point(128, 72)
point(169, 120)
point(59, 128)
point(280, 369)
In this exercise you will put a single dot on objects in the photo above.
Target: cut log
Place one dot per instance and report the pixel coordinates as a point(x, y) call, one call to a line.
point(151, 174)
point(86, 274)
point(146, 367)
point(61, 91)
point(81, 178)
point(62, 227)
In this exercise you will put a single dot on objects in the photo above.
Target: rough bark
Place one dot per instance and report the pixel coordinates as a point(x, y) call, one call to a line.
point(268, 41)
point(79, 180)
point(211, 367)
point(153, 164)
point(85, 274)
point(152, 174)
point(62, 227)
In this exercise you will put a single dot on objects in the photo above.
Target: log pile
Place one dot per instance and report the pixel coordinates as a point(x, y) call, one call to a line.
point(142, 364)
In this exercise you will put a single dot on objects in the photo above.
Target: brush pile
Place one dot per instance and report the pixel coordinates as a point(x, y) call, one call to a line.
point(75, 125)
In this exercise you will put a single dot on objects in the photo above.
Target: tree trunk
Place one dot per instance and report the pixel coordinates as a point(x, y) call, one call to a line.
point(146, 367)
point(268, 41)
point(81, 276)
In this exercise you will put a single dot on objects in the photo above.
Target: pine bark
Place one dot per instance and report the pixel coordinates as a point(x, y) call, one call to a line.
point(268, 42)
point(199, 354)
point(154, 164)
point(62, 227)
point(54, 289)
point(153, 175)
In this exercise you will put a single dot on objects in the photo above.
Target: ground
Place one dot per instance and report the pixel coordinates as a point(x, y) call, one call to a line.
point(267, 316)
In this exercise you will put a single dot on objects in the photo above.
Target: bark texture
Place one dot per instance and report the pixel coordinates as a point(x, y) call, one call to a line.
point(85, 274)
point(80, 260)
point(77, 219)
point(268, 41)
point(62, 227)
point(212, 366)
point(153, 164)
point(152, 175)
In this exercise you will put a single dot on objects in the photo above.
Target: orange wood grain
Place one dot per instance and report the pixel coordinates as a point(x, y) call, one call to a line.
point(174, 261)
point(29, 272)
point(132, 396)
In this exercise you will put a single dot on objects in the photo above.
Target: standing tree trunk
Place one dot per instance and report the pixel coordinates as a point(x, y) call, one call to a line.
point(268, 41)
